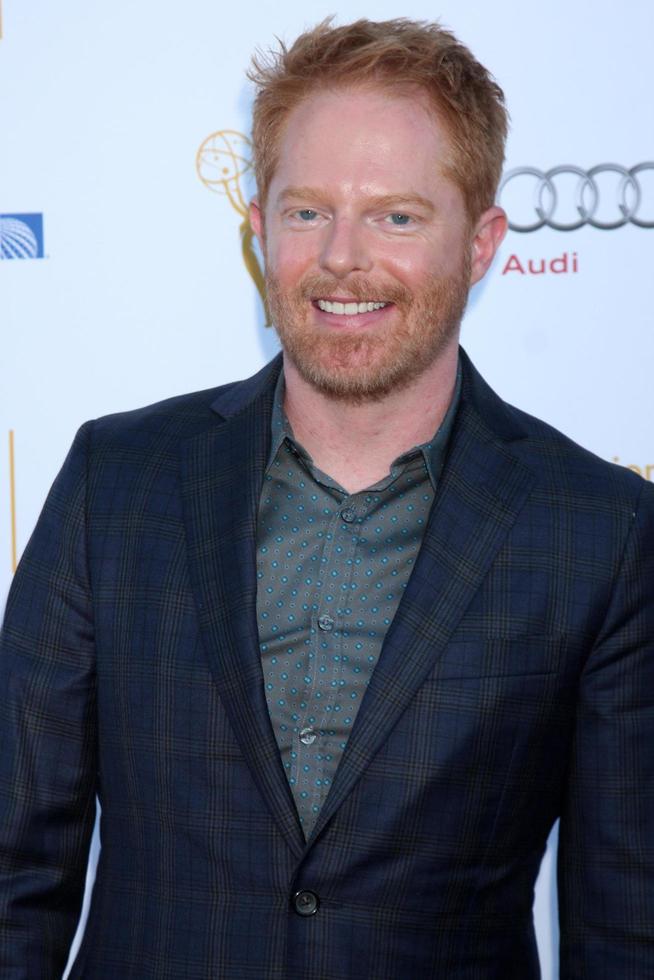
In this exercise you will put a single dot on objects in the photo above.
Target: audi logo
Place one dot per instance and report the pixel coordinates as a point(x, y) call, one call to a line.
point(565, 198)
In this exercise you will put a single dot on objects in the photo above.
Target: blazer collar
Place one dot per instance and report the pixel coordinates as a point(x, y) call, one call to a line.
point(234, 398)
point(499, 420)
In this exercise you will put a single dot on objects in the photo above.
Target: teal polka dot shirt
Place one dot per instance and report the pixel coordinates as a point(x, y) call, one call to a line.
point(331, 570)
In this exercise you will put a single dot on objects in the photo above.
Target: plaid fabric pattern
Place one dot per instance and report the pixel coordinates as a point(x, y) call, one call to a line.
point(514, 686)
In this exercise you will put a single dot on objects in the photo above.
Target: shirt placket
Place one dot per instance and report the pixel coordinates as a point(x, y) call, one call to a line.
point(323, 694)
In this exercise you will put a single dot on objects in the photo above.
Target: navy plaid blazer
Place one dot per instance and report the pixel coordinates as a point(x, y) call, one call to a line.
point(515, 686)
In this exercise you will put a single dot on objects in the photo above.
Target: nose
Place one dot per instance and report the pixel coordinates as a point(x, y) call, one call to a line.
point(345, 249)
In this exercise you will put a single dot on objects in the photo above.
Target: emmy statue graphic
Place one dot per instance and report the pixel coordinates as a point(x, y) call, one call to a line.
point(222, 159)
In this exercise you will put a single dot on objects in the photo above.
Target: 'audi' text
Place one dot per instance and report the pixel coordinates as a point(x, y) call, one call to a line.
point(560, 265)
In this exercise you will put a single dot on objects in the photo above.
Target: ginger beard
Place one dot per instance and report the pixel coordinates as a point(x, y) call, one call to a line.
point(384, 358)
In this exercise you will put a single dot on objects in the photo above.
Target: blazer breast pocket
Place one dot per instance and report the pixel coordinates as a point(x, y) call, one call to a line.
point(505, 656)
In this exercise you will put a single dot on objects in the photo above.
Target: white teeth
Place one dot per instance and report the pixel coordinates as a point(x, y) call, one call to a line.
point(349, 309)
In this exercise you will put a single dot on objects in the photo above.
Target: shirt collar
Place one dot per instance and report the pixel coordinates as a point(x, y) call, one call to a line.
point(433, 452)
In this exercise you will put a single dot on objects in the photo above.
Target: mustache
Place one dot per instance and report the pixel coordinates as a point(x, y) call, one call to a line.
point(358, 288)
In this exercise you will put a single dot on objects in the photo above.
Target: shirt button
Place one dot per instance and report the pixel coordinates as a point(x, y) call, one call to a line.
point(307, 736)
point(325, 622)
point(306, 903)
point(348, 514)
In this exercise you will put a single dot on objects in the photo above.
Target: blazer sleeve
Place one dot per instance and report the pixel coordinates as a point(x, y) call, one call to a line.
point(606, 842)
point(48, 735)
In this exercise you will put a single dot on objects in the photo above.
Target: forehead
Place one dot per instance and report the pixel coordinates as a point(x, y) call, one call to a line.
point(362, 136)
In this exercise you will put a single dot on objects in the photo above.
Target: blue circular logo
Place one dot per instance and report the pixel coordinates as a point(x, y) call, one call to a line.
point(17, 240)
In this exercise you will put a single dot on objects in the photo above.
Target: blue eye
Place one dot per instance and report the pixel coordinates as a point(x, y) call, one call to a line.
point(399, 219)
point(306, 214)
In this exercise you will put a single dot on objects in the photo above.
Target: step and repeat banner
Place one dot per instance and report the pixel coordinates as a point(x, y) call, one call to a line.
point(128, 271)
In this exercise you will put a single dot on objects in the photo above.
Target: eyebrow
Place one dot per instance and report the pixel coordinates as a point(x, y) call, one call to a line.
point(394, 202)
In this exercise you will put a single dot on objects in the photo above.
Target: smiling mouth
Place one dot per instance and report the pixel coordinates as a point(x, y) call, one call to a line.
point(349, 309)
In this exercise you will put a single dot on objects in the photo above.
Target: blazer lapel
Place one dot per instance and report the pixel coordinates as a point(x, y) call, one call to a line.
point(481, 492)
point(222, 474)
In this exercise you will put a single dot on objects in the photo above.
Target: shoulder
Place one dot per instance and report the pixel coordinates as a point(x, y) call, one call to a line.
point(570, 469)
point(182, 413)
point(166, 424)
point(567, 474)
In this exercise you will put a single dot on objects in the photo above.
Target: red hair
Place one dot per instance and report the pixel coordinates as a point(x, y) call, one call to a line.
point(389, 54)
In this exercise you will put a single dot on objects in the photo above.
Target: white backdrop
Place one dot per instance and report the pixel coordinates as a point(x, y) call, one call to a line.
point(137, 288)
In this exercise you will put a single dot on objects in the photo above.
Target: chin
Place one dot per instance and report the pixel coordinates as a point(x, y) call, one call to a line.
point(358, 379)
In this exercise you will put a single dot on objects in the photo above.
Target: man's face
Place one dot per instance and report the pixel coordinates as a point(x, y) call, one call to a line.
point(369, 251)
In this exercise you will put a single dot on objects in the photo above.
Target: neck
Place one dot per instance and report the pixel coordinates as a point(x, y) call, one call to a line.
point(356, 443)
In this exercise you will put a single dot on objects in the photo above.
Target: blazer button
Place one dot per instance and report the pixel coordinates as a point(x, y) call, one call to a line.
point(306, 903)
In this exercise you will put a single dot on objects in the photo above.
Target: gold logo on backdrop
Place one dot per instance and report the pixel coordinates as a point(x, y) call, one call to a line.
point(221, 161)
point(646, 470)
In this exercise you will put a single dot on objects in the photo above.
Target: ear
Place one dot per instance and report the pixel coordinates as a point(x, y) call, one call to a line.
point(256, 220)
point(488, 234)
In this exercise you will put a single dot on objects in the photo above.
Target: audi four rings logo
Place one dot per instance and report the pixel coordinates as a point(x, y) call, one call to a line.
point(565, 198)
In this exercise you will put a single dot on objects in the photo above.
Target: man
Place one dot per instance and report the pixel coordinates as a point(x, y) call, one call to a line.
point(337, 645)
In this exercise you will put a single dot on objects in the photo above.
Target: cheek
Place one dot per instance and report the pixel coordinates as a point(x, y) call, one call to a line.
point(419, 267)
point(413, 269)
point(416, 261)
point(289, 260)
